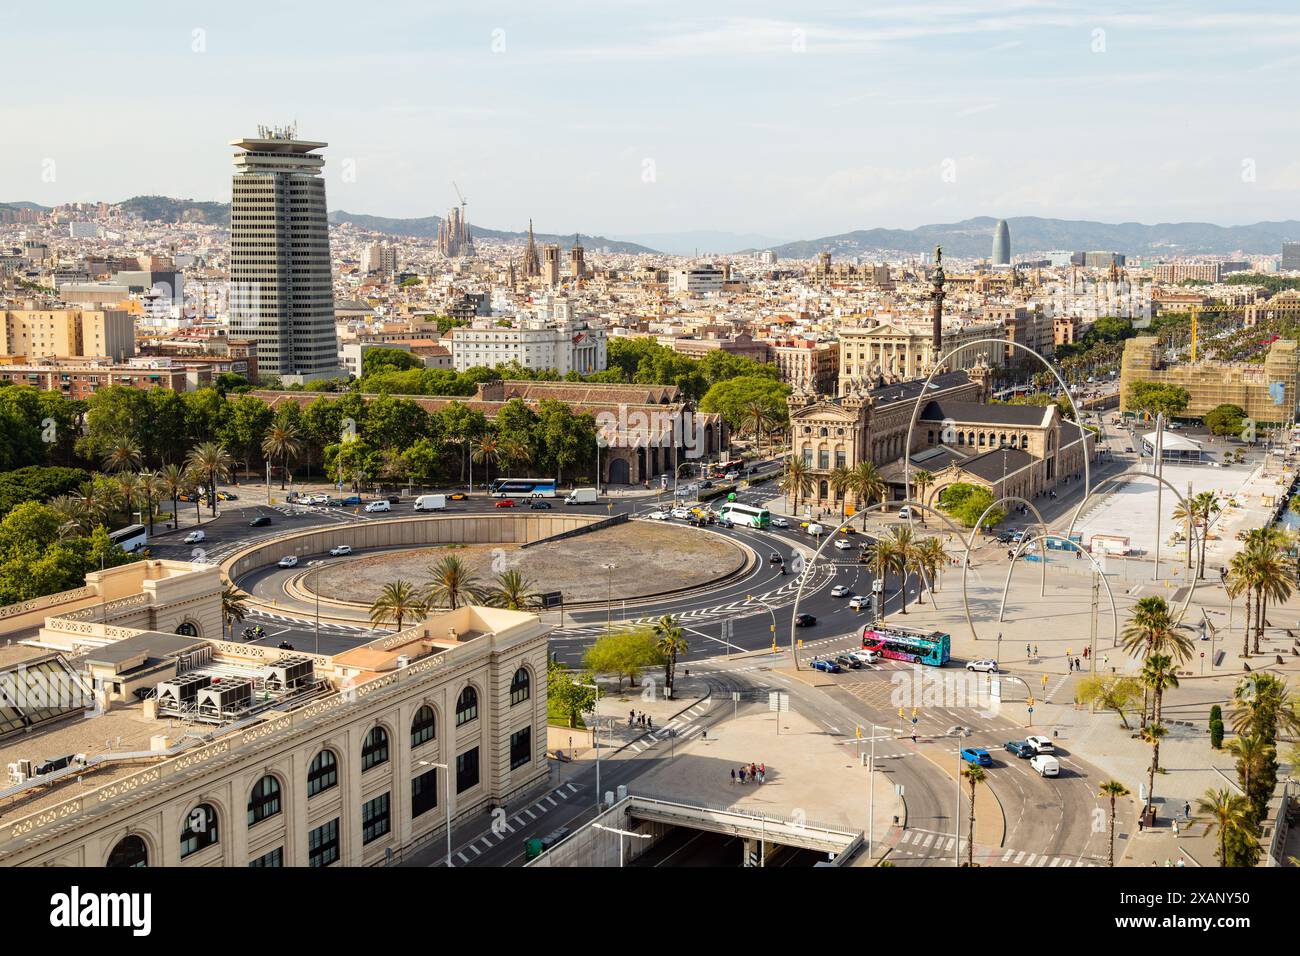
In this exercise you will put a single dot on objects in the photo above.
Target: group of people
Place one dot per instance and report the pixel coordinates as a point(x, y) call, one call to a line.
point(753, 773)
point(640, 720)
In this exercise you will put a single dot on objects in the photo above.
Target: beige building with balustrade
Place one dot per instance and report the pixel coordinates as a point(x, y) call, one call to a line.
point(133, 734)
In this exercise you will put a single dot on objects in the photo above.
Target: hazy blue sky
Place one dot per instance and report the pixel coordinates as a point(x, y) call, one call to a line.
point(789, 119)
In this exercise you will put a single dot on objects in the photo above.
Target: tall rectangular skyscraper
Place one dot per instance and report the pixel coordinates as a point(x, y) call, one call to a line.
point(281, 294)
point(1290, 257)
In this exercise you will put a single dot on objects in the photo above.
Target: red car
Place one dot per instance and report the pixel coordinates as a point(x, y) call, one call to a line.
point(505, 503)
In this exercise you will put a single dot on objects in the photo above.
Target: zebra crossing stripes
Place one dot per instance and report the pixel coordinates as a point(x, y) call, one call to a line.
point(498, 834)
point(932, 843)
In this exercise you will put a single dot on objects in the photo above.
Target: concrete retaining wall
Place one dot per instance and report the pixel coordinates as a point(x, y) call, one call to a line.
point(410, 533)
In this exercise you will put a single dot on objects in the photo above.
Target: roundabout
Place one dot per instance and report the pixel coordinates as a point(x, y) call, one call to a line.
point(588, 560)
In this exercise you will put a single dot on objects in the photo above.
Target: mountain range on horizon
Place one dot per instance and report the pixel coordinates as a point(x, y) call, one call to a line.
point(969, 238)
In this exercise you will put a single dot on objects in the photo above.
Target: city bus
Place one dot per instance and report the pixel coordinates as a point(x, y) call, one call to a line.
point(744, 515)
point(523, 488)
point(129, 539)
point(905, 644)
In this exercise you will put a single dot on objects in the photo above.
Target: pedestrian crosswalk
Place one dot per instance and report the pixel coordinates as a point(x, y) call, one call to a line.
point(503, 826)
point(681, 727)
point(932, 844)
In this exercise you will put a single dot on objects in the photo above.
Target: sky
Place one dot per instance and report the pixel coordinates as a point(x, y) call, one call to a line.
point(623, 117)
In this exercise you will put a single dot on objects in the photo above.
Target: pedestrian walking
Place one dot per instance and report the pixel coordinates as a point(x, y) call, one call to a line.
point(1077, 666)
point(1175, 822)
point(1181, 862)
point(649, 722)
point(762, 773)
point(733, 776)
point(1027, 654)
point(742, 774)
point(1187, 811)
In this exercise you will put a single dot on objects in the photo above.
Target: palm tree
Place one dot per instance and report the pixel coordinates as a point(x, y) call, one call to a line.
point(174, 482)
point(514, 453)
point(1152, 734)
point(1158, 672)
point(513, 591)
point(210, 462)
point(931, 556)
point(122, 455)
point(127, 487)
point(1227, 813)
point(1207, 506)
point(76, 519)
point(867, 484)
point(1253, 754)
point(881, 560)
point(283, 442)
point(1241, 581)
point(757, 418)
point(920, 481)
point(841, 480)
point(152, 489)
point(1263, 707)
point(486, 451)
point(1273, 575)
point(974, 774)
point(396, 602)
point(453, 584)
point(796, 481)
point(671, 642)
point(233, 608)
point(903, 551)
point(1112, 789)
point(1151, 630)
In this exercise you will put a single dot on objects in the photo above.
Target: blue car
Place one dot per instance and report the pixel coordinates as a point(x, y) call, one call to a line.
point(830, 667)
point(976, 755)
point(352, 500)
point(1020, 749)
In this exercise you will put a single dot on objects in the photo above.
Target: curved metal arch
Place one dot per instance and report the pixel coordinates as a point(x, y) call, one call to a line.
point(1114, 610)
point(1195, 536)
point(923, 396)
point(970, 544)
point(794, 614)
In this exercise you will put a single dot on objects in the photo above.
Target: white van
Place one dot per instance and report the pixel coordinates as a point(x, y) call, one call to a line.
point(905, 512)
point(581, 496)
point(816, 529)
point(1046, 765)
point(430, 502)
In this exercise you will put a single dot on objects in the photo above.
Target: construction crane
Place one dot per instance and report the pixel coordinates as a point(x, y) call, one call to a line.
point(462, 198)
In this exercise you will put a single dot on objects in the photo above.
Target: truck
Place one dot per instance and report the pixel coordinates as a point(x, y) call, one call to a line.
point(430, 502)
point(1074, 543)
point(581, 496)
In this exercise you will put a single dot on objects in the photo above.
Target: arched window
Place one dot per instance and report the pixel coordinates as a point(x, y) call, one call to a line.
point(323, 773)
point(187, 629)
point(823, 432)
point(200, 830)
point(961, 438)
point(520, 687)
point(424, 727)
point(823, 490)
point(130, 851)
point(1002, 440)
point(1024, 440)
point(466, 706)
point(264, 800)
point(981, 439)
point(375, 750)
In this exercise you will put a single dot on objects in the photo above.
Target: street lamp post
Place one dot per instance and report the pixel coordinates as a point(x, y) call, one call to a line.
point(446, 798)
point(595, 736)
point(609, 597)
point(316, 566)
point(621, 834)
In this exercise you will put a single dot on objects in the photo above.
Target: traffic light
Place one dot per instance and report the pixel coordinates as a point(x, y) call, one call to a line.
point(900, 713)
point(913, 711)
point(1031, 702)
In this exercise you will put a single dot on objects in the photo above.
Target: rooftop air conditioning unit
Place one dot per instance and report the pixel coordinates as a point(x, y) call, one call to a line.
point(403, 660)
point(180, 691)
point(290, 671)
point(226, 698)
point(19, 771)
